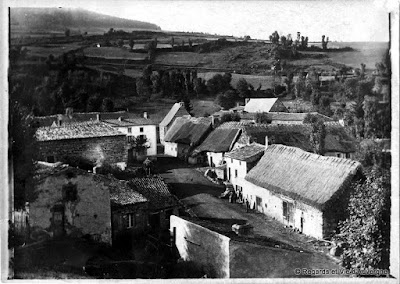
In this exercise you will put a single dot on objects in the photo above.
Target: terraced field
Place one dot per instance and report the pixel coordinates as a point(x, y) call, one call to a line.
point(113, 53)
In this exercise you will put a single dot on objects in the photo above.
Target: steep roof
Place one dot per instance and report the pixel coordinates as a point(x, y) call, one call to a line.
point(177, 110)
point(300, 175)
point(155, 190)
point(188, 130)
point(298, 135)
point(260, 105)
point(294, 116)
point(130, 121)
point(246, 152)
point(219, 140)
point(88, 129)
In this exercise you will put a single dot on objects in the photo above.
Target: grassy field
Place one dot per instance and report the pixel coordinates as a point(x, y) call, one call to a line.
point(113, 53)
point(56, 50)
point(266, 82)
point(191, 59)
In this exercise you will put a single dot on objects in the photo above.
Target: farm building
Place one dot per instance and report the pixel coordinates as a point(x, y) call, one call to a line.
point(255, 105)
point(177, 110)
point(162, 204)
point(185, 134)
point(93, 141)
point(223, 254)
point(285, 117)
point(70, 202)
point(137, 127)
point(217, 143)
point(306, 191)
point(129, 213)
point(240, 161)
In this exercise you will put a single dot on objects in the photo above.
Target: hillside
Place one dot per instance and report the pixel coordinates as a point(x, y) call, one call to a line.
point(58, 19)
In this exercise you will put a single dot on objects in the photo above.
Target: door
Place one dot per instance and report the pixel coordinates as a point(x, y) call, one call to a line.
point(58, 221)
point(229, 173)
point(154, 221)
point(301, 222)
point(211, 162)
point(287, 212)
point(259, 204)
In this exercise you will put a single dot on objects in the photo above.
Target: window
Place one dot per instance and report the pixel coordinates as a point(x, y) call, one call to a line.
point(129, 129)
point(285, 210)
point(348, 155)
point(240, 163)
point(130, 138)
point(142, 137)
point(231, 160)
point(50, 159)
point(338, 155)
point(141, 129)
point(236, 173)
point(130, 220)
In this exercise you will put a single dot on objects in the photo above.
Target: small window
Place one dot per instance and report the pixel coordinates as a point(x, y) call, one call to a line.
point(50, 159)
point(231, 160)
point(236, 173)
point(141, 129)
point(338, 155)
point(130, 220)
point(348, 155)
point(240, 163)
point(129, 129)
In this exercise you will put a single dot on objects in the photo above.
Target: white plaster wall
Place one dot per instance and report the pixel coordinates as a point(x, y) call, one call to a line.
point(217, 158)
point(241, 168)
point(171, 149)
point(150, 131)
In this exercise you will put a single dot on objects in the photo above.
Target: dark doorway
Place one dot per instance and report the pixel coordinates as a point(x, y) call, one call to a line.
point(58, 220)
point(301, 222)
point(154, 221)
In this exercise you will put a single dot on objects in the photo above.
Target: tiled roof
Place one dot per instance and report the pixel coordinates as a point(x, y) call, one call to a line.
point(292, 116)
point(297, 174)
point(122, 194)
point(188, 130)
point(177, 110)
point(219, 140)
point(131, 121)
point(155, 190)
point(246, 152)
point(88, 129)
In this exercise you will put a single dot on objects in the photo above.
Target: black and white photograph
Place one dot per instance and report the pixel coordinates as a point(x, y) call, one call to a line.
point(234, 140)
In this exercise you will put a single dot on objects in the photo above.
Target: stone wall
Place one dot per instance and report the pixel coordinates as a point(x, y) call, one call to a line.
point(109, 150)
point(202, 246)
point(85, 212)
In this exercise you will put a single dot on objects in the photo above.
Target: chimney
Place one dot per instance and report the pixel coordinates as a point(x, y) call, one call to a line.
point(120, 118)
point(98, 117)
point(145, 114)
point(266, 142)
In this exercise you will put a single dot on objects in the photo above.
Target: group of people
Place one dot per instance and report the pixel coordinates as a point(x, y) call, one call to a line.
point(238, 198)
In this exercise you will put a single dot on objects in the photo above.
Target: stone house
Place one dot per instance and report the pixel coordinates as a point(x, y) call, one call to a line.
point(94, 141)
point(338, 142)
point(69, 201)
point(254, 105)
point(161, 203)
point(185, 134)
point(177, 110)
point(240, 161)
point(217, 143)
point(129, 213)
point(135, 127)
point(223, 254)
point(306, 191)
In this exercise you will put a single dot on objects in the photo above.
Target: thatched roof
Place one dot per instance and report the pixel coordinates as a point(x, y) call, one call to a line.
point(177, 110)
point(88, 129)
point(155, 190)
point(300, 175)
point(125, 122)
point(247, 152)
point(187, 130)
point(220, 140)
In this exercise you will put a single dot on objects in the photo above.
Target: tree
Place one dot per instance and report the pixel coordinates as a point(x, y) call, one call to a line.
point(317, 137)
point(232, 116)
point(243, 88)
point(67, 32)
point(227, 99)
point(139, 144)
point(263, 117)
point(188, 105)
point(107, 105)
point(131, 43)
point(94, 103)
point(324, 43)
point(370, 108)
point(366, 231)
point(22, 153)
point(274, 38)
point(120, 43)
point(219, 83)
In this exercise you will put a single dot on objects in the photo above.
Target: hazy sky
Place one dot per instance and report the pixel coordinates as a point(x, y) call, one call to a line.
point(340, 20)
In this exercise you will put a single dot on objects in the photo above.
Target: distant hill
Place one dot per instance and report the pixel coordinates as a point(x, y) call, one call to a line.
point(59, 19)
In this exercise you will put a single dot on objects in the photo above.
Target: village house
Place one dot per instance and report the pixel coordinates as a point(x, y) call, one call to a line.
point(94, 141)
point(217, 143)
point(239, 162)
point(69, 201)
point(338, 142)
point(254, 105)
point(134, 128)
point(285, 117)
point(185, 134)
point(306, 191)
point(223, 254)
point(162, 204)
point(177, 110)
point(129, 213)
